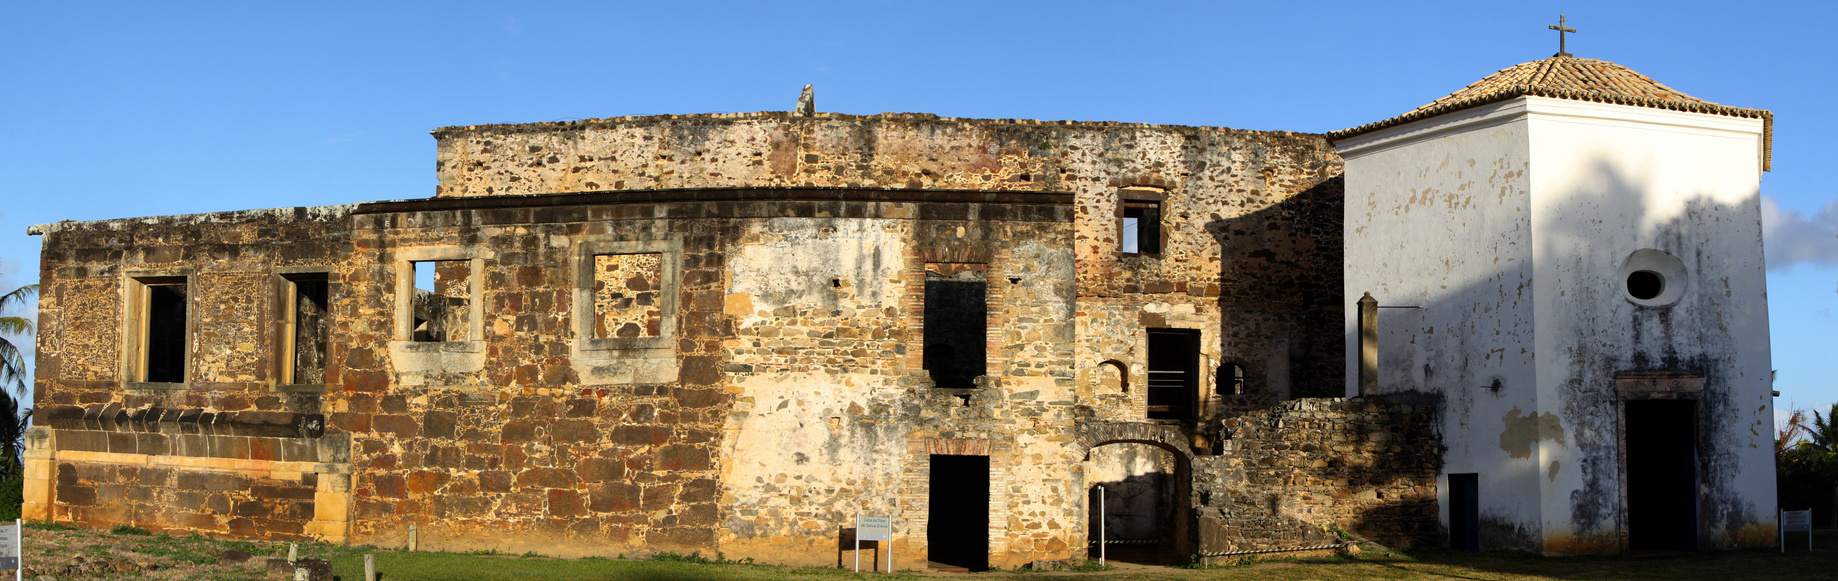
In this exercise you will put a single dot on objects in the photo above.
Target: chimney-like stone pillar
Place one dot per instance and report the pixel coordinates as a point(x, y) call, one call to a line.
point(1368, 346)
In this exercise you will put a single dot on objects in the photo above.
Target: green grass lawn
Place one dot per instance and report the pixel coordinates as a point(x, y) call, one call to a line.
point(193, 557)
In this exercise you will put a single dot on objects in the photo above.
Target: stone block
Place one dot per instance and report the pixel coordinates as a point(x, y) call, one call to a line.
point(439, 424)
point(683, 457)
point(615, 497)
point(402, 426)
point(546, 478)
point(574, 431)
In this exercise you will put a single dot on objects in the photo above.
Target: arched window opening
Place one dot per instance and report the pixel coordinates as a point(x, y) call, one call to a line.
point(1113, 377)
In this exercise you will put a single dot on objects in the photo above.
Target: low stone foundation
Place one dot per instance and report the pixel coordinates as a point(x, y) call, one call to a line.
point(1293, 474)
point(222, 478)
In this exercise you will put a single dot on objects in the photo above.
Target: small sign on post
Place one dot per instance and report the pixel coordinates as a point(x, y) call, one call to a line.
point(1793, 521)
point(873, 528)
point(11, 553)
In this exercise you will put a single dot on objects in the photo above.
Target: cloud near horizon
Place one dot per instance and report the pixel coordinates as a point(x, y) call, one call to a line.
point(1790, 238)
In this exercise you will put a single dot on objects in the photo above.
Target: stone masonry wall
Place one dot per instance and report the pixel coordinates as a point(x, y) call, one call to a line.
point(1251, 219)
point(1291, 472)
point(222, 452)
point(791, 395)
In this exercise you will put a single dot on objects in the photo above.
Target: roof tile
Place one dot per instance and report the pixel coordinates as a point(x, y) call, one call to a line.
point(1579, 79)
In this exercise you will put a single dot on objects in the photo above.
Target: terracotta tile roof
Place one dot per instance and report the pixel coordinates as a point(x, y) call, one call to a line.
point(1567, 77)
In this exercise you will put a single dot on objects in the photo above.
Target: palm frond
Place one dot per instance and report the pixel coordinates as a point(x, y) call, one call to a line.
point(12, 368)
point(18, 297)
point(15, 326)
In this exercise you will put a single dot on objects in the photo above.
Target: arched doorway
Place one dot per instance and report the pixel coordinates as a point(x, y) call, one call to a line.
point(1135, 500)
point(1159, 459)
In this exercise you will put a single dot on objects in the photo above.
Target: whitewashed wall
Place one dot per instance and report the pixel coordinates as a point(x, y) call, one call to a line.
point(1438, 216)
point(1508, 224)
point(1611, 180)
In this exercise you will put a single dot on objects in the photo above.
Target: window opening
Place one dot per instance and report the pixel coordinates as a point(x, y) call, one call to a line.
point(956, 323)
point(1230, 380)
point(1142, 225)
point(163, 342)
point(626, 292)
point(307, 323)
point(1645, 284)
point(1113, 377)
point(1174, 365)
point(442, 301)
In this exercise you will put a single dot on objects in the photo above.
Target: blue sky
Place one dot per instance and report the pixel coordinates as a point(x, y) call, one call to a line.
point(128, 109)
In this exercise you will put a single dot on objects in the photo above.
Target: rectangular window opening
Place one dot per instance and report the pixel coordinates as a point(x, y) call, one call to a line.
point(308, 322)
point(1174, 369)
point(1141, 229)
point(627, 297)
point(956, 323)
point(162, 334)
point(442, 300)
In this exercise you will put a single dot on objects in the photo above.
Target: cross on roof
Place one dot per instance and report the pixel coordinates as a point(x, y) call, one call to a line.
point(1559, 27)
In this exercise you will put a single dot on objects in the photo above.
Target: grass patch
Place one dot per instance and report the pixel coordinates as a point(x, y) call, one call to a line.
point(130, 530)
point(196, 557)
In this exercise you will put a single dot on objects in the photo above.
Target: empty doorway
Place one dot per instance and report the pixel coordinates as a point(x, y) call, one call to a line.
point(1660, 439)
point(1174, 372)
point(1134, 503)
point(1465, 512)
point(957, 533)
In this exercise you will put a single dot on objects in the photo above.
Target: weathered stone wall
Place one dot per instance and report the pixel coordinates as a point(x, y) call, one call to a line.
point(1251, 219)
point(777, 387)
point(790, 395)
point(227, 451)
point(1290, 472)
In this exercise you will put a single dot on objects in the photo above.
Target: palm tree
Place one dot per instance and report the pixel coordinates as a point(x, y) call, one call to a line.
point(1824, 431)
point(12, 436)
point(12, 365)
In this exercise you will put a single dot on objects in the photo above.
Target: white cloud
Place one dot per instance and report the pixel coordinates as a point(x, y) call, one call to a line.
point(1791, 238)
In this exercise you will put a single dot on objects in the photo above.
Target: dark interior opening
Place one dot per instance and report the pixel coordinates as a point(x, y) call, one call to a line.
point(165, 333)
point(1230, 380)
point(956, 324)
point(1661, 444)
point(957, 533)
point(1645, 284)
point(1174, 370)
point(1465, 512)
point(310, 324)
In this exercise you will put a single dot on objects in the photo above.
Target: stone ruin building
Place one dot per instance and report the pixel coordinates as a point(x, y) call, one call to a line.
point(734, 333)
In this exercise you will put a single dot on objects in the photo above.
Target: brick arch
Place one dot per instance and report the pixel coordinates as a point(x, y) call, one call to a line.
point(1092, 434)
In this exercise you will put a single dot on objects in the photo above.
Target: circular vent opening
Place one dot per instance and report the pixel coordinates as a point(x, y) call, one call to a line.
point(1653, 278)
point(1645, 285)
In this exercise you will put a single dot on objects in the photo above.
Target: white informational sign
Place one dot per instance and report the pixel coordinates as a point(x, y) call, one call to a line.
point(1796, 521)
point(9, 546)
point(873, 528)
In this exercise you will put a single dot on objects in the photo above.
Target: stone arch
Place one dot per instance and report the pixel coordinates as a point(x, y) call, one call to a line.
point(1170, 438)
point(1112, 368)
point(1180, 540)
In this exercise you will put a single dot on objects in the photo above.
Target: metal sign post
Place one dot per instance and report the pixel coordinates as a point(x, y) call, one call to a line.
point(1101, 526)
point(1796, 521)
point(12, 550)
point(873, 528)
